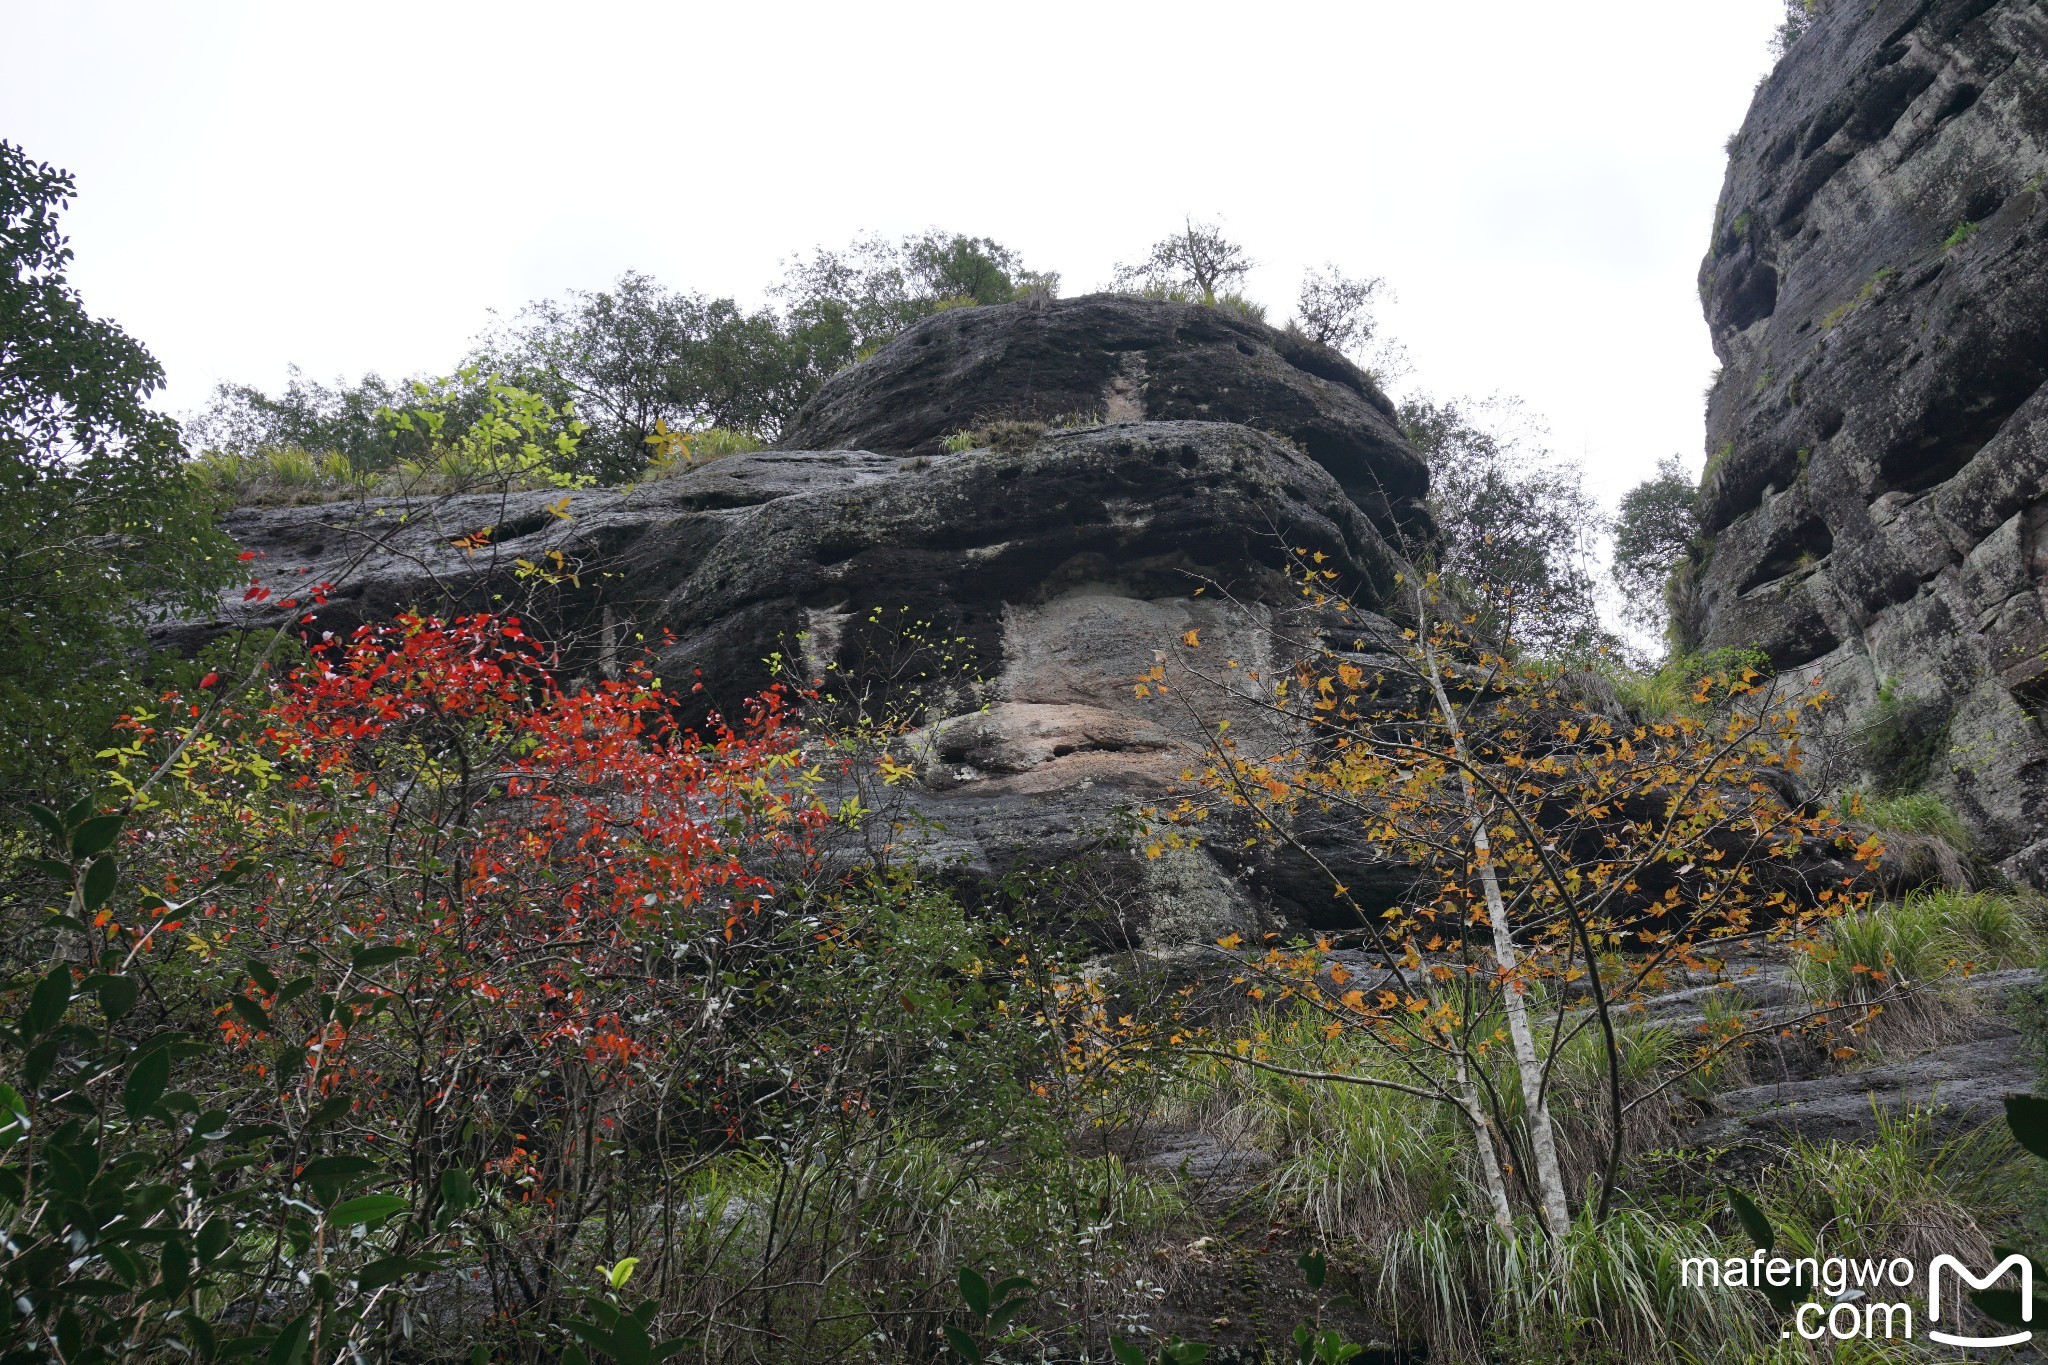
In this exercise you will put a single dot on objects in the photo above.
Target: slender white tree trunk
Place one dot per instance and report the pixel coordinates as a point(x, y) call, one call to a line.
point(1489, 1158)
point(1535, 1100)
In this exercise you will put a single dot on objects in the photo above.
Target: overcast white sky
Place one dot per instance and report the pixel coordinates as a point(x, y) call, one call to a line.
point(352, 187)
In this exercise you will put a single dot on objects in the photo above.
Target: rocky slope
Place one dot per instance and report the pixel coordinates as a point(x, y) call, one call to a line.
point(1008, 597)
point(1877, 486)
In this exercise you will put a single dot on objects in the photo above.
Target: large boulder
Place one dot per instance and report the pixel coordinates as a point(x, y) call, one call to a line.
point(1003, 601)
point(1118, 358)
point(1877, 482)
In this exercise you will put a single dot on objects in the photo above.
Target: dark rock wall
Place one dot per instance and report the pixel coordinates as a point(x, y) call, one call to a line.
point(1877, 481)
point(1020, 592)
point(1110, 357)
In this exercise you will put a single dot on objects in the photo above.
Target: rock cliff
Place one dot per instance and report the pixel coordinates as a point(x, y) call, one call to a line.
point(1876, 491)
point(1008, 596)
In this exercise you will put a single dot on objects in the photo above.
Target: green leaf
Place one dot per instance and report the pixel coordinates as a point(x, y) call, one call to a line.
point(329, 1109)
point(289, 1348)
point(1013, 1285)
point(1185, 1352)
point(52, 823)
point(2002, 1305)
point(974, 1289)
point(39, 1061)
point(54, 870)
point(146, 1083)
point(1125, 1353)
point(962, 1344)
point(1784, 1298)
point(214, 1236)
point(264, 978)
point(51, 998)
point(2027, 1116)
point(100, 880)
point(366, 959)
point(1752, 1219)
point(117, 994)
point(618, 1275)
point(456, 1191)
point(390, 1270)
point(1314, 1267)
point(337, 1168)
point(252, 1013)
point(78, 810)
point(367, 1208)
point(96, 835)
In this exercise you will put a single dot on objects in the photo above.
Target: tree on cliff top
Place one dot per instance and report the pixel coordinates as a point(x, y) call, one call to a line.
point(1516, 525)
point(1198, 260)
point(1653, 534)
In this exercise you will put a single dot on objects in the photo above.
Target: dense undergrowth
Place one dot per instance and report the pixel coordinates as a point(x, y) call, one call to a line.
point(397, 998)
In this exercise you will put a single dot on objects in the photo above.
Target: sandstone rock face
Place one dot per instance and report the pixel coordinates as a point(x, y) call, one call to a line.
point(1117, 358)
point(1877, 485)
point(1008, 599)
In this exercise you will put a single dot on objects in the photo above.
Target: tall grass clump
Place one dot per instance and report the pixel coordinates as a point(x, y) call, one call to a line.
point(1611, 1291)
point(698, 449)
point(1895, 956)
point(1904, 1191)
point(276, 478)
point(1388, 1182)
point(1925, 840)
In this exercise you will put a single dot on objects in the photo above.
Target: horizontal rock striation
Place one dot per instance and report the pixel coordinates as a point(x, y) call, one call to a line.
point(1115, 357)
point(1007, 600)
point(1877, 484)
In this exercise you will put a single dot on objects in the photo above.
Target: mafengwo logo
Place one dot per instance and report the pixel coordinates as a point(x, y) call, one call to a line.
point(1843, 1299)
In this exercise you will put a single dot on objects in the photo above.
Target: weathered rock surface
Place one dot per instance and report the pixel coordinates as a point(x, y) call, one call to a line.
point(1009, 600)
point(1877, 487)
point(1961, 1084)
point(1121, 358)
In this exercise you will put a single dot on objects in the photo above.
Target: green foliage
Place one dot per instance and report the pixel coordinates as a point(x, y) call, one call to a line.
point(1337, 311)
point(1901, 739)
point(309, 420)
point(1238, 306)
point(102, 523)
point(639, 354)
point(682, 452)
point(273, 477)
point(990, 1309)
point(1653, 533)
point(1919, 812)
point(138, 1211)
point(1516, 525)
point(1962, 232)
point(1894, 954)
point(1197, 264)
point(629, 362)
point(1906, 1191)
point(842, 306)
point(1010, 436)
point(1686, 684)
point(1799, 17)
